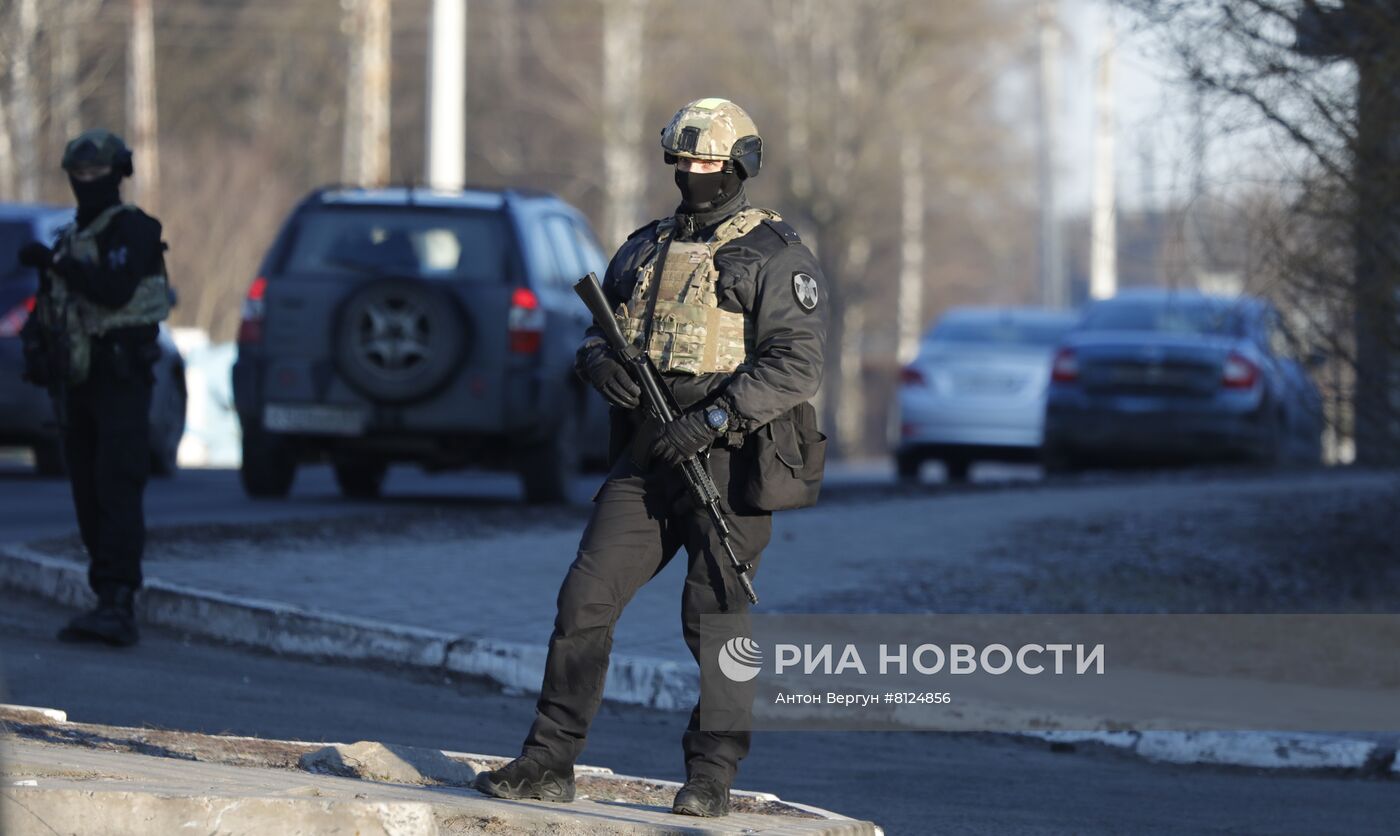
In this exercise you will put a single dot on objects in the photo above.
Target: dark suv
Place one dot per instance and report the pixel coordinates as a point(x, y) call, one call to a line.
point(407, 325)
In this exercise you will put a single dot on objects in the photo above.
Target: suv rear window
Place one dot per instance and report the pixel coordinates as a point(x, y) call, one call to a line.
point(460, 244)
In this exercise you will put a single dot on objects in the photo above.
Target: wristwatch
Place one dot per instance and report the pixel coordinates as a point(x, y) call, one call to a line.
point(717, 419)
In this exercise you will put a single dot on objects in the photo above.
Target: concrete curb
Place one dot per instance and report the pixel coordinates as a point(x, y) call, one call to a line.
point(269, 625)
point(633, 680)
point(1255, 749)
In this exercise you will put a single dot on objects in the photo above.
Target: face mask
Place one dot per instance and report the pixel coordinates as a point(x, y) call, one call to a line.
point(700, 192)
point(97, 194)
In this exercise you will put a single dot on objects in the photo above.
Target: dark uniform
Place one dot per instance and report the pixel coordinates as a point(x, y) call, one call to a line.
point(643, 517)
point(107, 439)
point(643, 514)
point(92, 341)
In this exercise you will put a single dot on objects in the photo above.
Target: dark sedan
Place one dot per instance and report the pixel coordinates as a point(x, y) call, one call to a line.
point(1169, 376)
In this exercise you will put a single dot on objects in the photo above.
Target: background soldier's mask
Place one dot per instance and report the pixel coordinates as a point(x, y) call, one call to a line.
point(96, 195)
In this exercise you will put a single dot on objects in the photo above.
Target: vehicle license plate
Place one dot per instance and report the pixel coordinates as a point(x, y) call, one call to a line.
point(314, 418)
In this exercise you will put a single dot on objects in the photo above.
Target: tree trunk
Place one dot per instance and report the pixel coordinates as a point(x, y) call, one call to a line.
point(141, 105)
point(1377, 262)
point(911, 251)
point(7, 157)
point(366, 147)
point(64, 117)
point(623, 159)
point(22, 106)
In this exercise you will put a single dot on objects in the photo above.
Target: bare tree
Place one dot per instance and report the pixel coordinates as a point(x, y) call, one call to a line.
point(1320, 80)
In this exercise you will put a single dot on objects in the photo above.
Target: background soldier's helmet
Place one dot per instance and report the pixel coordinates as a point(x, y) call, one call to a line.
point(714, 129)
point(98, 147)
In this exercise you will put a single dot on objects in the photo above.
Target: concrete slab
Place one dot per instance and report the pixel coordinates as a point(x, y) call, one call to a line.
point(138, 781)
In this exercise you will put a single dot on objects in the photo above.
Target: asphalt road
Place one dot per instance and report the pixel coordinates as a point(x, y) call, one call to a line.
point(37, 508)
point(922, 783)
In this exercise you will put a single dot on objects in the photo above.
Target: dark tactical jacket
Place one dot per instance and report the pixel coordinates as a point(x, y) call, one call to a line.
point(769, 275)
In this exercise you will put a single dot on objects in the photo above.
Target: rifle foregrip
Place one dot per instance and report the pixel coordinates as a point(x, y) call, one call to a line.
point(591, 293)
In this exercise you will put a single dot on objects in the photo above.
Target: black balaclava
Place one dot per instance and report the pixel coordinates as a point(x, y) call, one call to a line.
point(96, 196)
point(702, 192)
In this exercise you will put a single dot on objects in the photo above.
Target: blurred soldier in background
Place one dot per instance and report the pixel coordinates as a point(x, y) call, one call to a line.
point(731, 308)
point(92, 342)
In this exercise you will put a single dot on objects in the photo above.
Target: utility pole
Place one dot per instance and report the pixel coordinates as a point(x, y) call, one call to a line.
point(1103, 267)
point(1362, 31)
point(141, 104)
point(366, 148)
point(1053, 292)
point(447, 96)
point(26, 122)
point(910, 302)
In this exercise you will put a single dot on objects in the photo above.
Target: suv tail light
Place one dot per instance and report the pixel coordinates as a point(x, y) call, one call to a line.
point(1065, 368)
point(525, 324)
point(250, 330)
point(14, 318)
point(1239, 373)
point(910, 376)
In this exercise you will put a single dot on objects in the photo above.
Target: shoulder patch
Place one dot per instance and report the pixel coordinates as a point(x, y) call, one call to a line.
point(643, 229)
point(784, 231)
point(804, 290)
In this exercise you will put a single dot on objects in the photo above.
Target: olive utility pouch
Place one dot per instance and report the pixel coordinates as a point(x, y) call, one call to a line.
point(786, 459)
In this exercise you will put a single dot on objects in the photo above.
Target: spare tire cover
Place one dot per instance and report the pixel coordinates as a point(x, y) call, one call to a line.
point(400, 339)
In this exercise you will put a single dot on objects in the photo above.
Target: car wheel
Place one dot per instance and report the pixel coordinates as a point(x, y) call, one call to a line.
point(547, 469)
point(360, 478)
point(48, 458)
point(907, 466)
point(269, 464)
point(957, 469)
point(1058, 461)
point(400, 340)
point(165, 448)
point(1271, 447)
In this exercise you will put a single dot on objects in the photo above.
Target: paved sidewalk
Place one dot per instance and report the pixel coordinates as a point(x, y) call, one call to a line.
point(495, 573)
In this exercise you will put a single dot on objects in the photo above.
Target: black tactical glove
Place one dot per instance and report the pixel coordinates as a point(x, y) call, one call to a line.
point(682, 438)
point(35, 255)
point(597, 364)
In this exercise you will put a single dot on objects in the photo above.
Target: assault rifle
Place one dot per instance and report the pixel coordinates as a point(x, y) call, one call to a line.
point(663, 407)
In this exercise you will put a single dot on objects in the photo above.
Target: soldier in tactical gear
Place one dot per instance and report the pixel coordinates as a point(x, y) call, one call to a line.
point(730, 307)
point(92, 342)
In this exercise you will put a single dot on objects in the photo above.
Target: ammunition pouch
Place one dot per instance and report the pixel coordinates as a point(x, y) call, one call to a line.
point(786, 459)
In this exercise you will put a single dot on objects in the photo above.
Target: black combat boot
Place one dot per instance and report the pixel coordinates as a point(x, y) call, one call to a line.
point(702, 796)
point(113, 622)
point(526, 778)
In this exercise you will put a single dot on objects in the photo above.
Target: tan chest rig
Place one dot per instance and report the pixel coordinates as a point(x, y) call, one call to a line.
point(79, 318)
point(689, 332)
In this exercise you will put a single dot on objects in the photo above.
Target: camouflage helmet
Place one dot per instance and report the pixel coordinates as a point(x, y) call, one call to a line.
point(714, 129)
point(98, 147)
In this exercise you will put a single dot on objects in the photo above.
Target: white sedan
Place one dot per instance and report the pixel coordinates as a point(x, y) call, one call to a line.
point(976, 391)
